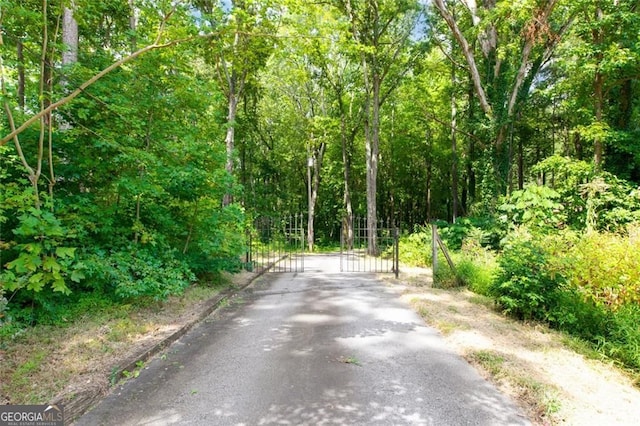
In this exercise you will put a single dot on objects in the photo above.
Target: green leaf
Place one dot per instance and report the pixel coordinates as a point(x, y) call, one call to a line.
point(25, 263)
point(36, 282)
point(60, 286)
point(77, 276)
point(65, 251)
point(50, 264)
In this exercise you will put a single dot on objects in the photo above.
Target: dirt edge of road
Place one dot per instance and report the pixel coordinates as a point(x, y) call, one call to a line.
point(78, 398)
point(532, 364)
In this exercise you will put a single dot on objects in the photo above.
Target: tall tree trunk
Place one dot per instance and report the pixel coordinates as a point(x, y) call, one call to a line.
point(229, 139)
point(598, 90)
point(348, 220)
point(429, 167)
point(21, 77)
point(625, 105)
point(598, 94)
point(133, 25)
point(471, 176)
point(141, 174)
point(372, 155)
point(454, 149)
point(69, 36)
point(313, 193)
point(69, 56)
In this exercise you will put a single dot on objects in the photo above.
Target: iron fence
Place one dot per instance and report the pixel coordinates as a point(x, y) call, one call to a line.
point(366, 250)
point(278, 244)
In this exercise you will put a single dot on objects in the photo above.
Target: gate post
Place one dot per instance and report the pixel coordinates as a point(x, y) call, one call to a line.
point(434, 250)
point(397, 251)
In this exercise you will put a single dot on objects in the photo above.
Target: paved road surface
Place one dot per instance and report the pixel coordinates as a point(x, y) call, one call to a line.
point(313, 348)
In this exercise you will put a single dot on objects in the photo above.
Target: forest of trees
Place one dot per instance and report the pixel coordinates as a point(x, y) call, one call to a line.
point(139, 139)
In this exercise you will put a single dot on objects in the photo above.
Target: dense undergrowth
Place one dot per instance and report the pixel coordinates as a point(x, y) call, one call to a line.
point(568, 256)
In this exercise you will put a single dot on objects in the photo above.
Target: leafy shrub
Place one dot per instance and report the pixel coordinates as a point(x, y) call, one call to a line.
point(443, 276)
point(565, 175)
point(477, 265)
point(415, 249)
point(477, 269)
point(220, 248)
point(139, 272)
point(611, 203)
point(536, 207)
point(485, 229)
point(527, 286)
point(593, 201)
point(605, 268)
point(42, 256)
point(623, 335)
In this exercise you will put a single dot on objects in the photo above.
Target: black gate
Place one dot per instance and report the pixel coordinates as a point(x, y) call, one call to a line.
point(365, 250)
point(278, 244)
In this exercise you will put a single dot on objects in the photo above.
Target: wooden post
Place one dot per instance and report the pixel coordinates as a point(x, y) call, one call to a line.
point(397, 252)
point(434, 249)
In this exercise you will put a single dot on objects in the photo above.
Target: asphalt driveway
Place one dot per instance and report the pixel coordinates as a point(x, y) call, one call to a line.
point(313, 348)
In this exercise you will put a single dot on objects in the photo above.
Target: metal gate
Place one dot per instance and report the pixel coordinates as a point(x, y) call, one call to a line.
point(360, 253)
point(278, 244)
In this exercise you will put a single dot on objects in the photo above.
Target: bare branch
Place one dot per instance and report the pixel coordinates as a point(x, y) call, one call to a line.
point(92, 80)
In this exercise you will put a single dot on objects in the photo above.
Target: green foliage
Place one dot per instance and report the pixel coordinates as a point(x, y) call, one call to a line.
point(584, 284)
point(565, 176)
point(477, 266)
point(611, 203)
point(444, 276)
point(43, 257)
point(415, 248)
point(139, 273)
point(220, 248)
point(622, 339)
point(484, 230)
point(605, 268)
point(527, 285)
point(134, 209)
point(589, 201)
point(536, 207)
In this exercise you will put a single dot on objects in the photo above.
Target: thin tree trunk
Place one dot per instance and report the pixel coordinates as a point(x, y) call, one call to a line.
point(156, 45)
point(141, 173)
point(471, 175)
point(625, 106)
point(598, 89)
point(191, 225)
point(520, 163)
point(468, 54)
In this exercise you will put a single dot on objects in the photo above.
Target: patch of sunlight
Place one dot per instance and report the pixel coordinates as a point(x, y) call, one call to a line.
point(313, 318)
